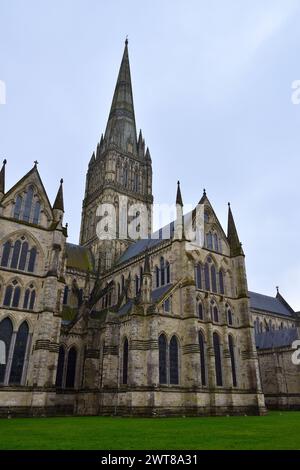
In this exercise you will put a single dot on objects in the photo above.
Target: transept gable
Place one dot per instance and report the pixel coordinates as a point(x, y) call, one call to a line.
point(29, 190)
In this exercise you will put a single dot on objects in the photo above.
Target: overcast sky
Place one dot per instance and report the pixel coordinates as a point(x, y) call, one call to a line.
point(212, 83)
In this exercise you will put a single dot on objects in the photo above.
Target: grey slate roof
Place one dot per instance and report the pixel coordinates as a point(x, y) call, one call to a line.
point(125, 308)
point(163, 234)
point(276, 338)
point(160, 292)
point(266, 303)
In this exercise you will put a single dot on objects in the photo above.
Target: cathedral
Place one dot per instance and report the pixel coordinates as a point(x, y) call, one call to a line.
point(157, 324)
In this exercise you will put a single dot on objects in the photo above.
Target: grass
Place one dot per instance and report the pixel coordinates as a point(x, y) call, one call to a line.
point(278, 430)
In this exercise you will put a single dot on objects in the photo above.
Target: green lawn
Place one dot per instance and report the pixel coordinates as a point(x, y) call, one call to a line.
point(275, 431)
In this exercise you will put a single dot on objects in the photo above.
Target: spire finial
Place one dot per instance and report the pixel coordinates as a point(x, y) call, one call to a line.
point(204, 192)
point(36, 163)
point(61, 181)
point(277, 288)
point(4, 162)
point(228, 204)
point(178, 196)
point(126, 40)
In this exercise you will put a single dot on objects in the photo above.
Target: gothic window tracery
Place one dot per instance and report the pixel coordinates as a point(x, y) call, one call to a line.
point(27, 206)
point(16, 347)
point(19, 255)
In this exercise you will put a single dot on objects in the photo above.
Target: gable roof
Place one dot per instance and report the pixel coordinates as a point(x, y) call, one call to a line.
point(269, 304)
point(33, 171)
point(276, 338)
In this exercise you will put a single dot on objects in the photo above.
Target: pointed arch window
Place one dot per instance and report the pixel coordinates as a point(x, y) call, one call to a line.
point(157, 275)
point(60, 367)
point(218, 363)
point(29, 298)
point(162, 271)
point(23, 256)
point(202, 358)
point(213, 278)
point(71, 368)
point(66, 295)
point(232, 359)
point(8, 296)
point(199, 276)
point(28, 204)
point(16, 297)
point(36, 213)
point(16, 255)
point(137, 284)
point(18, 207)
point(5, 254)
point(6, 332)
point(200, 311)
point(216, 242)
point(12, 295)
point(206, 276)
point(209, 241)
point(214, 311)
point(125, 363)
point(174, 361)
point(19, 354)
point(168, 272)
point(162, 347)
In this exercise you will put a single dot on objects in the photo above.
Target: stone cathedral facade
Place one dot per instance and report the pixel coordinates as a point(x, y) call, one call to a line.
point(155, 326)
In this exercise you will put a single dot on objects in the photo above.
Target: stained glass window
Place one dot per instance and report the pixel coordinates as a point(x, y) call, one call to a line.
point(174, 364)
point(28, 204)
point(202, 358)
point(16, 297)
point(23, 257)
point(162, 345)
point(18, 207)
point(8, 296)
point(6, 331)
point(213, 278)
point(16, 254)
point(32, 260)
point(200, 311)
point(162, 271)
point(5, 254)
point(36, 214)
point(206, 276)
point(218, 364)
point(232, 357)
point(71, 368)
point(198, 276)
point(19, 355)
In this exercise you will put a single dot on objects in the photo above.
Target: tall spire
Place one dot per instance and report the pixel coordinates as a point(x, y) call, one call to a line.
point(59, 201)
point(121, 128)
point(2, 178)
point(232, 236)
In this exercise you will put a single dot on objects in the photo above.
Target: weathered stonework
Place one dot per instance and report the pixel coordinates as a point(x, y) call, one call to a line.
point(124, 327)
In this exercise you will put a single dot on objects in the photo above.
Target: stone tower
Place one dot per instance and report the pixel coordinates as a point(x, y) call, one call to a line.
point(120, 176)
